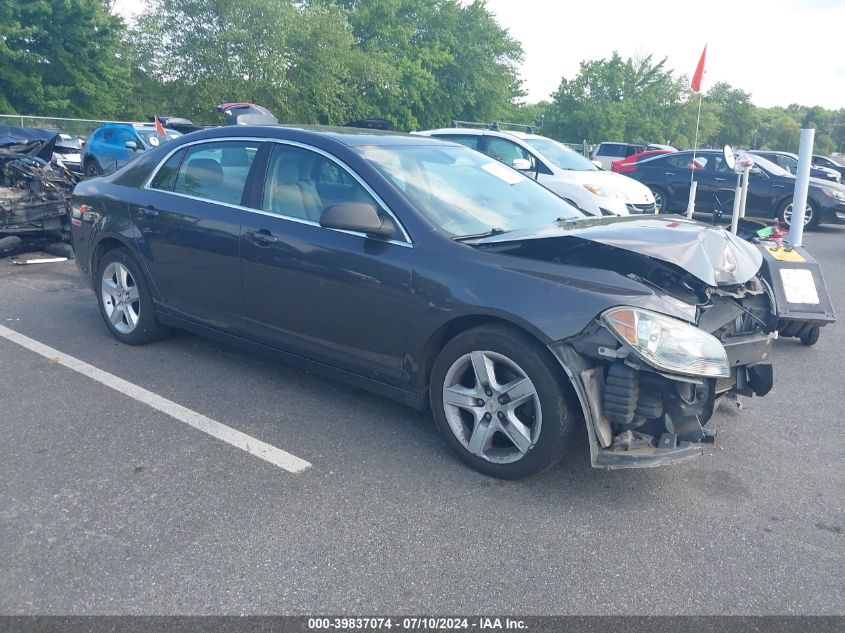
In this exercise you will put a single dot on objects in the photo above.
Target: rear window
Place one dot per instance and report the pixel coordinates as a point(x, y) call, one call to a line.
point(216, 171)
point(611, 149)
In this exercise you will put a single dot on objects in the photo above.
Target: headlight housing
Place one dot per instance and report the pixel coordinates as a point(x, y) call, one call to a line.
point(668, 344)
point(605, 192)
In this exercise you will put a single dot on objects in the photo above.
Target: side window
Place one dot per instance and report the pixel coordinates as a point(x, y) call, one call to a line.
point(505, 151)
point(470, 140)
point(167, 173)
point(300, 184)
point(108, 135)
point(216, 171)
point(685, 161)
point(121, 136)
point(720, 165)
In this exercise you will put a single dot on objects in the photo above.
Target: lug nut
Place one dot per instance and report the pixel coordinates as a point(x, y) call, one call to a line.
point(503, 399)
point(487, 416)
point(489, 393)
point(479, 402)
point(501, 415)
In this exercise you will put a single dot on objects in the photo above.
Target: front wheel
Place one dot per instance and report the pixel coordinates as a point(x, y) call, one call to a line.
point(92, 168)
point(125, 301)
point(497, 397)
point(661, 199)
point(811, 214)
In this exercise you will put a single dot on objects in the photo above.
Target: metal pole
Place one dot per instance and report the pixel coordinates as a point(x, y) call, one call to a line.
point(802, 183)
point(737, 200)
point(745, 174)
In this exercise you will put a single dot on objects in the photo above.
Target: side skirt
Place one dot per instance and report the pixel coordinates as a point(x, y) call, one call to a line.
point(410, 398)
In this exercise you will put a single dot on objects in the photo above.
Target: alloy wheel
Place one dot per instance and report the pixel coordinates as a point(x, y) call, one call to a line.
point(121, 299)
point(658, 200)
point(492, 407)
point(808, 214)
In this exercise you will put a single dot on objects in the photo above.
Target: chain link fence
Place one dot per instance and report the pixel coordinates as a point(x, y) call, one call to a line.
point(77, 128)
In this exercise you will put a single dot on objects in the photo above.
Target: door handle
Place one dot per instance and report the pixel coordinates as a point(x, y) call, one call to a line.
point(261, 237)
point(720, 179)
point(670, 173)
point(149, 211)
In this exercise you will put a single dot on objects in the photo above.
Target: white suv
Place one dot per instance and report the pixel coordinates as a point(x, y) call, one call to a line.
point(559, 168)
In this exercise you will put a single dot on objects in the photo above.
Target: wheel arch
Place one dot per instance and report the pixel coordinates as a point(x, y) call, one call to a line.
point(452, 328)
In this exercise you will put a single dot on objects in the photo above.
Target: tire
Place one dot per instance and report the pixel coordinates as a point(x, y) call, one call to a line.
point(481, 434)
point(92, 168)
point(811, 217)
point(811, 336)
point(125, 301)
point(661, 196)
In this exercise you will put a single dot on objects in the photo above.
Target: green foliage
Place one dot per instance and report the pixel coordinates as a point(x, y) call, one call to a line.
point(61, 57)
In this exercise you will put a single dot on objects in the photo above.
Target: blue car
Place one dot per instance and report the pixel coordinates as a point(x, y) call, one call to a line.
point(112, 145)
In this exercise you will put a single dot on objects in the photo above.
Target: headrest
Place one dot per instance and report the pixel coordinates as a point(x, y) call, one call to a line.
point(287, 171)
point(204, 171)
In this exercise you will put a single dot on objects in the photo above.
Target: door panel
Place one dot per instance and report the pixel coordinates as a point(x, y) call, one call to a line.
point(339, 298)
point(190, 241)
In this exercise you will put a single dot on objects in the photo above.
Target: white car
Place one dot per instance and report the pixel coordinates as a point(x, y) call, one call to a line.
point(559, 168)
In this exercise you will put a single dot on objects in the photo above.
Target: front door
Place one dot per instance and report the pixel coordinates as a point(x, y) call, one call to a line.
point(337, 297)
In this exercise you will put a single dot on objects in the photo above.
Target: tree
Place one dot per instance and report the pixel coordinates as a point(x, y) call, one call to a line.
point(737, 115)
point(634, 100)
point(62, 57)
point(451, 61)
point(297, 60)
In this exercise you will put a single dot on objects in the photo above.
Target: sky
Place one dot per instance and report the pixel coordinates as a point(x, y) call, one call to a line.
point(781, 51)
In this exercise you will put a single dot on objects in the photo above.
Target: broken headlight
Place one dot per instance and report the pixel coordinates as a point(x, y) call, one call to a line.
point(668, 344)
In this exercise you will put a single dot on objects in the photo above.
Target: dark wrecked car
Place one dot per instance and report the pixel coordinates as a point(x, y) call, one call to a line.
point(34, 193)
point(430, 273)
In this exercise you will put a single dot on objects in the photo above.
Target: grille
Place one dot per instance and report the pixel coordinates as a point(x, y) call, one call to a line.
point(641, 208)
point(723, 384)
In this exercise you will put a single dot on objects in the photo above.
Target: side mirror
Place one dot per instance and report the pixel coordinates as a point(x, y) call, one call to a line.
point(359, 217)
point(597, 164)
point(522, 164)
point(131, 145)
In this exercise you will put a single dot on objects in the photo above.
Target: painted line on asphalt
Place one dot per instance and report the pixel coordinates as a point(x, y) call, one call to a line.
point(251, 445)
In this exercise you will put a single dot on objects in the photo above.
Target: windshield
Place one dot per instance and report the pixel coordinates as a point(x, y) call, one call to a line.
point(561, 155)
point(769, 166)
point(152, 139)
point(465, 192)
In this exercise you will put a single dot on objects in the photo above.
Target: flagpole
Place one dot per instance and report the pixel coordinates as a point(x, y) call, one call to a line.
point(692, 183)
point(695, 84)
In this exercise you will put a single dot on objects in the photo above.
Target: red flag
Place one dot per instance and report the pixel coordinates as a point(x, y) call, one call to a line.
point(695, 84)
point(159, 128)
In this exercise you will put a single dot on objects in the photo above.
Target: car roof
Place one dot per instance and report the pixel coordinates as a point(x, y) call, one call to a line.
point(351, 137)
point(472, 131)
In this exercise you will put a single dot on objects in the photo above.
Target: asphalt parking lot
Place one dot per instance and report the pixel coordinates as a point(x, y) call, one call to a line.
point(110, 506)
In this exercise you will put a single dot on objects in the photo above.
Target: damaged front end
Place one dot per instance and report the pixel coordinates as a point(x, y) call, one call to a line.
point(648, 383)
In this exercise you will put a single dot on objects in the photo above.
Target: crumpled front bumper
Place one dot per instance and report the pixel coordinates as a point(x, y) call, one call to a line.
point(685, 404)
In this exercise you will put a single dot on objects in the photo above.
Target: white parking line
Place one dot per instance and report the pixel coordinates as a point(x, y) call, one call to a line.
point(267, 452)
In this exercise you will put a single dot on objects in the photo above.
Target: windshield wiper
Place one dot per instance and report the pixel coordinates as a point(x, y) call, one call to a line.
point(478, 236)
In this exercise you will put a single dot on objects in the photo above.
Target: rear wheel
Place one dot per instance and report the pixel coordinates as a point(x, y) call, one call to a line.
point(811, 214)
point(125, 301)
point(497, 398)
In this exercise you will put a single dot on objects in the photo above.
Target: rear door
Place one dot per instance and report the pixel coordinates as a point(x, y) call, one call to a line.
point(189, 218)
point(337, 297)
